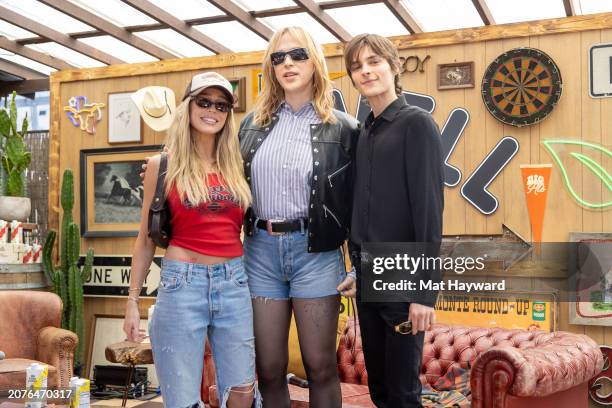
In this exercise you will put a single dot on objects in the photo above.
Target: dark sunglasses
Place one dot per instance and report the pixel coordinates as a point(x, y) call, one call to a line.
point(296, 54)
point(207, 103)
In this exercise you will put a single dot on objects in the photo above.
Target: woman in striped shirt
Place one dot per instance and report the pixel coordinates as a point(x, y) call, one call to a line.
point(297, 152)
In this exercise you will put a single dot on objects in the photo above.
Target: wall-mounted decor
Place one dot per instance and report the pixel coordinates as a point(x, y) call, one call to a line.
point(110, 277)
point(521, 86)
point(239, 87)
point(474, 190)
point(124, 124)
point(510, 309)
point(590, 291)
point(412, 63)
point(451, 132)
point(456, 75)
point(106, 330)
point(83, 114)
point(536, 179)
point(600, 71)
point(589, 155)
point(111, 190)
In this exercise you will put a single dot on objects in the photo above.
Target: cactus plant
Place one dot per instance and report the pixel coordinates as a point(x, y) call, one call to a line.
point(68, 277)
point(14, 154)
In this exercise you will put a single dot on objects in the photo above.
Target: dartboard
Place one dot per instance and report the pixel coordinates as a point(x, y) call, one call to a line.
point(521, 87)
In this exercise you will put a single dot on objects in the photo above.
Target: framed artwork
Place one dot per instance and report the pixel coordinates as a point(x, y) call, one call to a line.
point(111, 190)
point(456, 75)
point(239, 86)
point(106, 330)
point(124, 122)
point(600, 71)
point(590, 292)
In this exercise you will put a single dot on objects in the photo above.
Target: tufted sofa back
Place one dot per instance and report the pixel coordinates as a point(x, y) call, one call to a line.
point(444, 347)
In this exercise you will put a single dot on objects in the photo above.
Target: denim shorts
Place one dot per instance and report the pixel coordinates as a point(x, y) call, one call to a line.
point(196, 301)
point(280, 267)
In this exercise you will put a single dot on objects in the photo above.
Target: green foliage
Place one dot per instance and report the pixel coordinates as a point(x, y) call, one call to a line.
point(14, 154)
point(68, 277)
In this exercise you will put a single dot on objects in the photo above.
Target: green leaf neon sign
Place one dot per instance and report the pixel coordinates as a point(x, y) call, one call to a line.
point(596, 168)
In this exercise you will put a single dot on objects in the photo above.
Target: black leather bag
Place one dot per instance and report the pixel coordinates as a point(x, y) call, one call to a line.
point(159, 212)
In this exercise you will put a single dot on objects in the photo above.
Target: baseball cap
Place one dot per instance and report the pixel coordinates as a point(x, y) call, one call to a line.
point(205, 80)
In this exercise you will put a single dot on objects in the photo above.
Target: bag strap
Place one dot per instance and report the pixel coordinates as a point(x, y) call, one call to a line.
point(159, 200)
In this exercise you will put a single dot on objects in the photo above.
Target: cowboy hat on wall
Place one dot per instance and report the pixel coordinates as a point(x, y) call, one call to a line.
point(157, 106)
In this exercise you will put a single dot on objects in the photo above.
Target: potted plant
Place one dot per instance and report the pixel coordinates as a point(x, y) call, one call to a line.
point(15, 158)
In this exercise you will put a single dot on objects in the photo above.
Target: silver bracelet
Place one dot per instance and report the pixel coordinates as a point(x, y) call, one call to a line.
point(352, 274)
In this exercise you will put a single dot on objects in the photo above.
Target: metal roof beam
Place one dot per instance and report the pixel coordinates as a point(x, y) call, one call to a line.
point(324, 19)
point(570, 8)
point(106, 27)
point(25, 87)
point(19, 70)
point(404, 16)
point(34, 55)
point(151, 10)
point(244, 17)
point(60, 38)
point(484, 11)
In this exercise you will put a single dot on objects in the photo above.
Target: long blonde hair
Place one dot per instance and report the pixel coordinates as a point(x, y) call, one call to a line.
point(186, 171)
point(272, 94)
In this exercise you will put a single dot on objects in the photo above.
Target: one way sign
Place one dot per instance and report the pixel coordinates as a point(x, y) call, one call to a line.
point(110, 277)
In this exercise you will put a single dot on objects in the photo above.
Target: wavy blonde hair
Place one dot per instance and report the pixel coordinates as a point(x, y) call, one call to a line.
point(273, 94)
point(186, 171)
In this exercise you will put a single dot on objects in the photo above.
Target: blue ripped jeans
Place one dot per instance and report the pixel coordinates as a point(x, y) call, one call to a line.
point(196, 301)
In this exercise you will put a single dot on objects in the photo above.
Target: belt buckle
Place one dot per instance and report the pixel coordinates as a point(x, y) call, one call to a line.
point(269, 227)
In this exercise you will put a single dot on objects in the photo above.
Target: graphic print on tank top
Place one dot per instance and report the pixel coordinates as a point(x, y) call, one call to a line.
point(221, 200)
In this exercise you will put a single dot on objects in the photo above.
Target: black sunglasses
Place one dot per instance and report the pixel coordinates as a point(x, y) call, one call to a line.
point(296, 54)
point(207, 103)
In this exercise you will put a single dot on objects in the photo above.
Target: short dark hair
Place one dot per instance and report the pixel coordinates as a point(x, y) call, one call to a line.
point(379, 45)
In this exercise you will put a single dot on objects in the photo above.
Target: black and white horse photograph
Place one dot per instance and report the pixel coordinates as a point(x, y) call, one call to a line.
point(118, 192)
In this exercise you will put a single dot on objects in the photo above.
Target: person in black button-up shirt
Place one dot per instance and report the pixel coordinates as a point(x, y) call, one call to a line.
point(398, 197)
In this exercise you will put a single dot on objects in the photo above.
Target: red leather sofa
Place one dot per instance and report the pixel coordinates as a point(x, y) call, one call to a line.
point(508, 368)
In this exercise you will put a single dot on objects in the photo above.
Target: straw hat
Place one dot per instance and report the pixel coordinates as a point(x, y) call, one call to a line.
point(157, 106)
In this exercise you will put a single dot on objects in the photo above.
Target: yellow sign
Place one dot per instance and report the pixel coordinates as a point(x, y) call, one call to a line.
point(257, 81)
point(510, 311)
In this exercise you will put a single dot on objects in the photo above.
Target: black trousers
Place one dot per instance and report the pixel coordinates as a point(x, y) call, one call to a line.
point(393, 360)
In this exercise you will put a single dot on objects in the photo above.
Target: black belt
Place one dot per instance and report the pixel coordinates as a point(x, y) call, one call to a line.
point(281, 227)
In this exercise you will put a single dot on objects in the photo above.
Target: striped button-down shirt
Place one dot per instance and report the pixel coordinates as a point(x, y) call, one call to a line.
point(282, 166)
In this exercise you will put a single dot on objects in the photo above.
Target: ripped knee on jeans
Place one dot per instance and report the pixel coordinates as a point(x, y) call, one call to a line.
point(241, 396)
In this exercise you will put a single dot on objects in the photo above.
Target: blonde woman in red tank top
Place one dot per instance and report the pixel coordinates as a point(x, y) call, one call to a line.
point(203, 291)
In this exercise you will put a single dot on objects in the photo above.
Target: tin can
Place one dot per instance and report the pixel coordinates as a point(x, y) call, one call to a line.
point(80, 396)
point(36, 253)
point(16, 232)
point(4, 231)
point(36, 385)
point(27, 254)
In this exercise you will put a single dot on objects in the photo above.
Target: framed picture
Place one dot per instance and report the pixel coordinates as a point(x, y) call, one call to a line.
point(590, 291)
point(239, 85)
point(456, 75)
point(124, 122)
point(106, 330)
point(111, 190)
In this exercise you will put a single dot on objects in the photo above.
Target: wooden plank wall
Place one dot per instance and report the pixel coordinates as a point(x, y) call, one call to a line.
point(577, 117)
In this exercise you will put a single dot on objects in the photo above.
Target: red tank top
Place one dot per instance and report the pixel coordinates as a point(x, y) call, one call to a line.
point(212, 228)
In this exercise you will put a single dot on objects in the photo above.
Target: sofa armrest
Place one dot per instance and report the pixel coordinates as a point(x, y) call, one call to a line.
point(544, 364)
point(56, 347)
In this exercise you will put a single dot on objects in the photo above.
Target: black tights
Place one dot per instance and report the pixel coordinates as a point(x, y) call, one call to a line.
point(317, 325)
